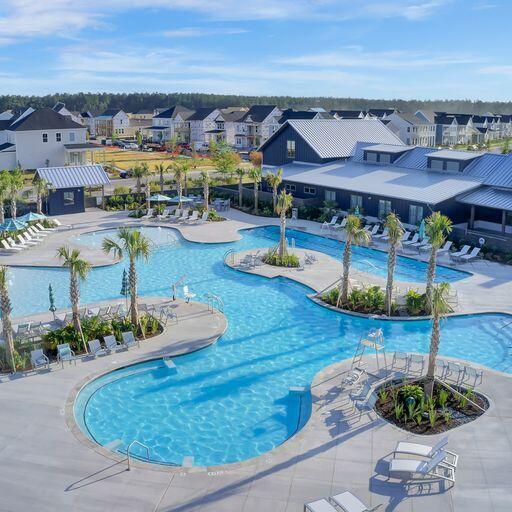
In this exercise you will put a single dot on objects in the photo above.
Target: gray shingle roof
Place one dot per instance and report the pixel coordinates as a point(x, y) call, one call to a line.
point(488, 197)
point(44, 119)
point(74, 176)
point(337, 138)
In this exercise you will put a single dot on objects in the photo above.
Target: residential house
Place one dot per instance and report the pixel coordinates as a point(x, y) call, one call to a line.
point(89, 120)
point(201, 123)
point(226, 125)
point(43, 137)
point(258, 124)
point(303, 114)
point(412, 129)
point(61, 109)
point(169, 123)
point(113, 122)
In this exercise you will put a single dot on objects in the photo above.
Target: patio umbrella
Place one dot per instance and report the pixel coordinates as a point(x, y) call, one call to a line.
point(51, 298)
point(31, 216)
point(12, 225)
point(125, 286)
point(356, 211)
point(160, 198)
point(421, 231)
point(178, 199)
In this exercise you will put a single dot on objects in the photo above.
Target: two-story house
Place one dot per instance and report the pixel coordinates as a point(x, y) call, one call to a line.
point(202, 123)
point(412, 129)
point(257, 125)
point(226, 124)
point(42, 138)
point(112, 122)
point(169, 123)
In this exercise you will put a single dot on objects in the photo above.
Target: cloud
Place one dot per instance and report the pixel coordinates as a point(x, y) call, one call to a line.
point(411, 10)
point(496, 70)
point(202, 32)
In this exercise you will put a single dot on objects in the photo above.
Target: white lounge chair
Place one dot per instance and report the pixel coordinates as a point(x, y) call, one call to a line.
point(176, 215)
point(129, 339)
point(149, 214)
point(462, 252)
point(30, 239)
point(373, 231)
point(111, 344)
point(194, 217)
point(410, 469)
point(420, 243)
point(36, 232)
point(64, 353)
point(165, 214)
point(104, 312)
point(472, 256)
point(348, 502)
point(383, 235)
point(329, 225)
point(474, 374)
point(26, 243)
point(422, 450)
point(42, 228)
point(10, 248)
point(38, 359)
point(188, 294)
point(341, 225)
point(12, 243)
point(184, 215)
point(96, 349)
point(33, 236)
point(204, 217)
point(413, 240)
point(446, 248)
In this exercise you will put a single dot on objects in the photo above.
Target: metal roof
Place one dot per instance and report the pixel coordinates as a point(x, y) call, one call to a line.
point(416, 158)
point(454, 155)
point(382, 180)
point(337, 138)
point(492, 169)
point(74, 176)
point(488, 197)
point(387, 148)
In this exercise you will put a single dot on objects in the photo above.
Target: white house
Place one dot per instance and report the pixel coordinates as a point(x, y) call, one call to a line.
point(40, 138)
point(89, 121)
point(61, 109)
point(113, 121)
point(257, 125)
point(202, 123)
point(226, 124)
point(411, 129)
point(171, 122)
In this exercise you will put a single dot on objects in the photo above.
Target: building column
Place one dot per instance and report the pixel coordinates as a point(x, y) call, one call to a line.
point(503, 221)
point(472, 217)
point(103, 196)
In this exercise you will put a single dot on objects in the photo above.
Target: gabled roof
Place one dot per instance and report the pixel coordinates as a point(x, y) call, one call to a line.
point(231, 115)
point(348, 114)
point(380, 112)
point(7, 146)
point(201, 113)
point(110, 112)
point(74, 176)
point(488, 197)
point(492, 169)
point(296, 114)
point(337, 138)
point(172, 112)
point(258, 113)
point(58, 106)
point(411, 118)
point(44, 119)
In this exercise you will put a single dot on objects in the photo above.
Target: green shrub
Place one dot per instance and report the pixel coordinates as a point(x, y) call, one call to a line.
point(213, 216)
point(121, 190)
point(288, 260)
point(415, 302)
point(413, 390)
point(442, 398)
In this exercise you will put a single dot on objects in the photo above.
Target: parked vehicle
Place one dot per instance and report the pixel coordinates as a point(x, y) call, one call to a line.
point(131, 145)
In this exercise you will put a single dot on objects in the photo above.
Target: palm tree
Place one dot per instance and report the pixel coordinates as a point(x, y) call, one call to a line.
point(205, 180)
point(78, 270)
point(178, 173)
point(437, 228)
point(283, 205)
point(41, 190)
point(138, 174)
point(240, 173)
point(355, 234)
point(395, 234)
point(147, 174)
point(439, 308)
point(6, 308)
point(186, 168)
point(274, 180)
point(14, 185)
point(255, 174)
point(135, 245)
point(4, 188)
point(160, 168)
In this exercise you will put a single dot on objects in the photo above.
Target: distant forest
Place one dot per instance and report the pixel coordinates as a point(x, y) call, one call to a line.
point(132, 102)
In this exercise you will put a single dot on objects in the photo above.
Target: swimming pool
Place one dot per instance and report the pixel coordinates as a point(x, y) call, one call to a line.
point(231, 401)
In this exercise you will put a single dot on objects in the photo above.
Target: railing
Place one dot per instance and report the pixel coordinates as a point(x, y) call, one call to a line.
point(453, 390)
point(130, 447)
point(231, 255)
point(175, 285)
point(214, 302)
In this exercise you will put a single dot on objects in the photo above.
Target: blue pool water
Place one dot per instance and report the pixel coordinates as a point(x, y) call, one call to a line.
point(231, 401)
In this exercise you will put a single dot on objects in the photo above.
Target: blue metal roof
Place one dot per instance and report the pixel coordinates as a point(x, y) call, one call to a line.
point(416, 158)
point(492, 169)
point(74, 176)
point(488, 197)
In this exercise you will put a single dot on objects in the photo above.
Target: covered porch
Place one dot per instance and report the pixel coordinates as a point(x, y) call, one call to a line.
point(81, 153)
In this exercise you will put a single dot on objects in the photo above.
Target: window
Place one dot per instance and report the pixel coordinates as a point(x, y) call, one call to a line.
point(385, 158)
point(58, 137)
point(238, 141)
point(371, 157)
point(415, 214)
point(45, 137)
point(71, 136)
point(436, 165)
point(330, 195)
point(453, 166)
point(310, 190)
point(290, 148)
point(356, 201)
point(290, 188)
point(384, 208)
point(69, 198)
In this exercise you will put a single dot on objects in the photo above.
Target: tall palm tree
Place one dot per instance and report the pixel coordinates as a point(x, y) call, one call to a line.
point(274, 180)
point(41, 190)
point(355, 234)
point(178, 173)
point(78, 270)
point(395, 234)
point(186, 168)
point(437, 228)
point(240, 173)
point(138, 174)
point(135, 245)
point(205, 180)
point(160, 168)
point(283, 205)
point(255, 175)
point(14, 186)
point(4, 189)
point(6, 308)
point(439, 309)
point(146, 173)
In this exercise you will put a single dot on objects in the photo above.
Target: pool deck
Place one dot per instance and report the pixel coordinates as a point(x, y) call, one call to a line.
point(45, 466)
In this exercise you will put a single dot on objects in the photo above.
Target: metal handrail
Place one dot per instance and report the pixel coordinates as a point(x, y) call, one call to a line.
point(129, 448)
point(230, 252)
point(212, 299)
point(453, 390)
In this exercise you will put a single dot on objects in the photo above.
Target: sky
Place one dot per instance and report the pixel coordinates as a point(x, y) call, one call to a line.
point(409, 49)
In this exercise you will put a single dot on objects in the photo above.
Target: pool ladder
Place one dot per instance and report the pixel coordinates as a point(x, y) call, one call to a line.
point(214, 302)
point(135, 442)
point(231, 255)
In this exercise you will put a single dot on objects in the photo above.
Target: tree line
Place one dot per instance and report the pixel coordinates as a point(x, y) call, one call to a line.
point(132, 102)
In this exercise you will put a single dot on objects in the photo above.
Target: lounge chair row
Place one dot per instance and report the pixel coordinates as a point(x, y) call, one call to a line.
point(466, 254)
point(178, 215)
point(33, 235)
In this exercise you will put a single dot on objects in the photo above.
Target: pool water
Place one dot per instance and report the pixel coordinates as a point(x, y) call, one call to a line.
point(231, 401)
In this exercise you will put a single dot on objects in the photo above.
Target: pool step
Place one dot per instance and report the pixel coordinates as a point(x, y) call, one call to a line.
point(188, 461)
point(299, 390)
point(170, 364)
